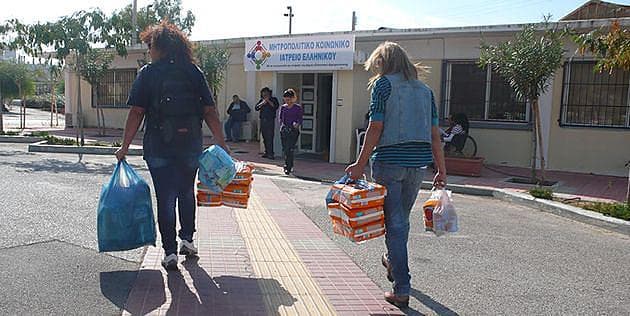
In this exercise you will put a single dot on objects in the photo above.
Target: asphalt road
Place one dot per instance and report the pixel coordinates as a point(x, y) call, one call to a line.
point(506, 260)
point(48, 245)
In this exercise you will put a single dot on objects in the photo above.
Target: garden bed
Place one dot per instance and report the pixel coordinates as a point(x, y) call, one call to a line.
point(609, 208)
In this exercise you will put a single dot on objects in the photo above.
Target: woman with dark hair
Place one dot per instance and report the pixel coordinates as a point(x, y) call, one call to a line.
point(455, 136)
point(290, 120)
point(173, 95)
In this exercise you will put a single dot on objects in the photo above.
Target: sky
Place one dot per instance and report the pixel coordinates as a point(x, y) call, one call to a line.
point(240, 18)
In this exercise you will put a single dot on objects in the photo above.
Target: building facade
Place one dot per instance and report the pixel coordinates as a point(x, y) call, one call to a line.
point(585, 115)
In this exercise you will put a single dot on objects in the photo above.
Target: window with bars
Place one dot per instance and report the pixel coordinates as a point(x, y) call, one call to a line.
point(114, 88)
point(481, 94)
point(594, 99)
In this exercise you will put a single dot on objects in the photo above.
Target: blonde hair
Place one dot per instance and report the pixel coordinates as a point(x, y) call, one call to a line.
point(390, 58)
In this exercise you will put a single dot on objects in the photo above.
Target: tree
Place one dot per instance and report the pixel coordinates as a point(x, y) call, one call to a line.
point(612, 47)
point(93, 69)
point(16, 81)
point(527, 63)
point(213, 62)
point(73, 35)
point(54, 72)
point(152, 14)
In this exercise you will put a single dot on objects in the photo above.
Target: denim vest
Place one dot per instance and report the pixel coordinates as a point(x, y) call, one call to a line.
point(407, 112)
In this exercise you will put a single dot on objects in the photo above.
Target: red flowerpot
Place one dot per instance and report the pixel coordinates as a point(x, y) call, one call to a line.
point(470, 167)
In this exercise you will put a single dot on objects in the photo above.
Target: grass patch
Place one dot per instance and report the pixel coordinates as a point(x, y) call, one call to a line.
point(9, 133)
point(618, 210)
point(541, 193)
point(38, 134)
point(52, 140)
point(102, 144)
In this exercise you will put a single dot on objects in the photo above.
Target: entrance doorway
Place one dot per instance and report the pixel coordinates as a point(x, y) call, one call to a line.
point(315, 95)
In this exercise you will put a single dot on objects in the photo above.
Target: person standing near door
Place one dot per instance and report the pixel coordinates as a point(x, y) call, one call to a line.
point(237, 111)
point(291, 115)
point(267, 106)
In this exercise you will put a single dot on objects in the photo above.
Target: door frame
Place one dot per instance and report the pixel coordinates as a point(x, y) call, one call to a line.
point(333, 104)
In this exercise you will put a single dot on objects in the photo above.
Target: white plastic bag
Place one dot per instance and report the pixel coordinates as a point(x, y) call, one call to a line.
point(444, 215)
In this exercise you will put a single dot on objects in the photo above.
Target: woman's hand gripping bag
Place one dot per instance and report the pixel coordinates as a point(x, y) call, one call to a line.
point(444, 215)
point(125, 214)
point(216, 169)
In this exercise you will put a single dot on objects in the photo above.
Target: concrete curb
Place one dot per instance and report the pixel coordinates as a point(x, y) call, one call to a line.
point(557, 208)
point(86, 150)
point(19, 139)
point(564, 210)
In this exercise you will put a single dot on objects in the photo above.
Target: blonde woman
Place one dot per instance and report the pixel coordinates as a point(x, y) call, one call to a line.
point(402, 138)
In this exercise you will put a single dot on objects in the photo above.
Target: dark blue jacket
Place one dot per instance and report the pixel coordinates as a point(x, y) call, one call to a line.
point(239, 115)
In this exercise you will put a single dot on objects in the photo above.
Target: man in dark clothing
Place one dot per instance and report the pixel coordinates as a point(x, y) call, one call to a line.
point(237, 110)
point(267, 106)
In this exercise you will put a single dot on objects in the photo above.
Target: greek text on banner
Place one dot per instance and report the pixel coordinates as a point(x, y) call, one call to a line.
point(332, 52)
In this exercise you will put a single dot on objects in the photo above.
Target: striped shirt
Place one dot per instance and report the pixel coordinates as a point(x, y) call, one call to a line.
point(414, 154)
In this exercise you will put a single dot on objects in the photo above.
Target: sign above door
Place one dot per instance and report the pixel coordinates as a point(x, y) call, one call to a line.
point(329, 52)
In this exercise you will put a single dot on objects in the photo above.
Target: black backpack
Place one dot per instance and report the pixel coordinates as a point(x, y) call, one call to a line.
point(178, 108)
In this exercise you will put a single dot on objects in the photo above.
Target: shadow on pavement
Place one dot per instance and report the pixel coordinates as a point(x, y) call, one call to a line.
point(64, 166)
point(223, 294)
point(115, 285)
point(431, 304)
point(15, 153)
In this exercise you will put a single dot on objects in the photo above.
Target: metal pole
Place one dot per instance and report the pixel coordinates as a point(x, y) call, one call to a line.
point(354, 20)
point(134, 22)
point(290, 15)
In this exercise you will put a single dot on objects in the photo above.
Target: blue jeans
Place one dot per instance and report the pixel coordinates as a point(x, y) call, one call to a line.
point(233, 130)
point(174, 181)
point(402, 186)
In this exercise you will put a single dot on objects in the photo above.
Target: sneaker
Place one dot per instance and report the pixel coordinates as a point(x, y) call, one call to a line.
point(170, 262)
point(188, 248)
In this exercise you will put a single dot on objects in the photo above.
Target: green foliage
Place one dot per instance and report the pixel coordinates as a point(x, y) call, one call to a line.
point(541, 193)
point(152, 14)
point(72, 33)
point(53, 140)
point(528, 61)
point(13, 77)
point(39, 134)
point(213, 62)
point(618, 210)
point(95, 64)
point(45, 100)
point(60, 88)
point(612, 47)
point(9, 133)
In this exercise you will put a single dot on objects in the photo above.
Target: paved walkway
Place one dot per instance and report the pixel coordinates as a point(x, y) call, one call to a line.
point(268, 259)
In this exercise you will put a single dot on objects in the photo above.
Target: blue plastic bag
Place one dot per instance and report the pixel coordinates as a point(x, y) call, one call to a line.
point(343, 180)
point(125, 214)
point(216, 168)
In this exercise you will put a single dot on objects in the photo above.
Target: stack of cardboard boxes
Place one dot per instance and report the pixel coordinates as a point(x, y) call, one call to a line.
point(236, 194)
point(357, 210)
